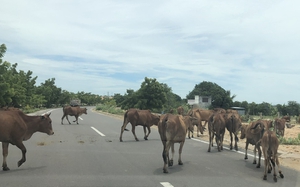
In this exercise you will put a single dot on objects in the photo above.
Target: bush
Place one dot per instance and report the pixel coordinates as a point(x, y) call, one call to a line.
point(290, 141)
point(110, 109)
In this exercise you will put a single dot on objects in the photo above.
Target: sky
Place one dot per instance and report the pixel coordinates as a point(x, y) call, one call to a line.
point(108, 46)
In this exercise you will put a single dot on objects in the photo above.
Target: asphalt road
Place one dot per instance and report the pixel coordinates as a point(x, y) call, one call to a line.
point(90, 154)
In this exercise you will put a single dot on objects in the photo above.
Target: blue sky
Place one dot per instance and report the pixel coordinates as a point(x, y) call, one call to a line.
point(248, 47)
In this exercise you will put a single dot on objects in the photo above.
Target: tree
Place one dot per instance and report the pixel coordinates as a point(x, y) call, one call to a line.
point(220, 97)
point(50, 92)
point(151, 95)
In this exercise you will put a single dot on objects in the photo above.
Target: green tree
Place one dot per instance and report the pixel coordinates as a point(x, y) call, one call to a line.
point(220, 97)
point(151, 95)
point(293, 108)
point(50, 92)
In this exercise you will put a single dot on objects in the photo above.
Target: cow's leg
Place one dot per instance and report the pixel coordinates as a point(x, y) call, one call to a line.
point(170, 163)
point(21, 146)
point(278, 165)
point(133, 132)
point(236, 139)
point(180, 151)
point(68, 119)
point(4, 153)
point(122, 129)
point(259, 156)
point(231, 140)
point(63, 119)
point(210, 139)
point(222, 138)
point(265, 169)
point(149, 130)
point(198, 129)
point(246, 148)
point(254, 152)
point(165, 155)
point(76, 119)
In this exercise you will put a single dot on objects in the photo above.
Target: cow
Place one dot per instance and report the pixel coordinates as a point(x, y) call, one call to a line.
point(196, 114)
point(287, 118)
point(233, 125)
point(269, 143)
point(73, 111)
point(172, 129)
point(139, 117)
point(216, 127)
point(180, 110)
point(280, 126)
point(16, 127)
point(253, 136)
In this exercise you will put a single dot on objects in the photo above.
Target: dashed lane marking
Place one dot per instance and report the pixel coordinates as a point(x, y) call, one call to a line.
point(100, 133)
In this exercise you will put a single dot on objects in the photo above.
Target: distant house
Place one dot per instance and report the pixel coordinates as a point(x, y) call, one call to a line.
point(200, 101)
point(240, 110)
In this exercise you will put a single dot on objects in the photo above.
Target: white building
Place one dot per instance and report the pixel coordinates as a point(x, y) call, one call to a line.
point(200, 101)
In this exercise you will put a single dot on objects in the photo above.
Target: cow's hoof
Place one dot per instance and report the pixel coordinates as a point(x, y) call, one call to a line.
point(275, 178)
point(136, 139)
point(258, 166)
point(170, 163)
point(5, 168)
point(246, 158)
point(265, 177)
point(121, 140)
point(165, 171)
point(180, 163)
point(254, 162)
point(145, 138)
point(281, 175)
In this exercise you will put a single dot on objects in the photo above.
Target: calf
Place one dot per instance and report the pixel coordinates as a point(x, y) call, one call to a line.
point(172, 129)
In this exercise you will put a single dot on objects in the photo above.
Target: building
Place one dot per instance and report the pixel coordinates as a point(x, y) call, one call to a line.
point(200, 101)
point(240, 110)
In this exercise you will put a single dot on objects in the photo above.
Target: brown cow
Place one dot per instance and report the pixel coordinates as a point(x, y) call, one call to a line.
point(196, 114)
point(216, 127)
point(16, 127)
point(139, 117)
point(172, 129)
point(180, 110)
point(280, 126)
point(233, 125)
point(73, 111)
point(269, 143)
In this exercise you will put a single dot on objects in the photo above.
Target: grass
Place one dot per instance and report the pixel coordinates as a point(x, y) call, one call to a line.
point(110, 109)
point(290, 141)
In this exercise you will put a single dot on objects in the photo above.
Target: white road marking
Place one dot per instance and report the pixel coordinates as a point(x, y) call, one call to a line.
point(228, 148)
point(166, 184)
point(101, 134)
point(80, 118)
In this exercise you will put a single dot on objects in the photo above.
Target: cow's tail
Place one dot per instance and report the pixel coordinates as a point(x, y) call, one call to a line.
point(125, 117)
point(164, 127)
point(262, 128)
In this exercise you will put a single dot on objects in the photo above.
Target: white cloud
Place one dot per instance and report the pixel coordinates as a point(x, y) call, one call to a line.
point(248, 47)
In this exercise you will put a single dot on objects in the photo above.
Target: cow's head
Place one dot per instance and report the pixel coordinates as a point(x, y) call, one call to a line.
point(155, 119)
point(85, 110)
point(45, 124)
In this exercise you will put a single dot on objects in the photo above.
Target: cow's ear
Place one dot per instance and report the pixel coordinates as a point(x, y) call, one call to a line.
point(49, 114)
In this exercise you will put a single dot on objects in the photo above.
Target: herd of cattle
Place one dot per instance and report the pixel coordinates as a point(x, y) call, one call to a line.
point(16, 127)
point(173, 128)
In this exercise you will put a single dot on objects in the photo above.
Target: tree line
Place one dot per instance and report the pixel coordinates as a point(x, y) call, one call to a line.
point(19, 89)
